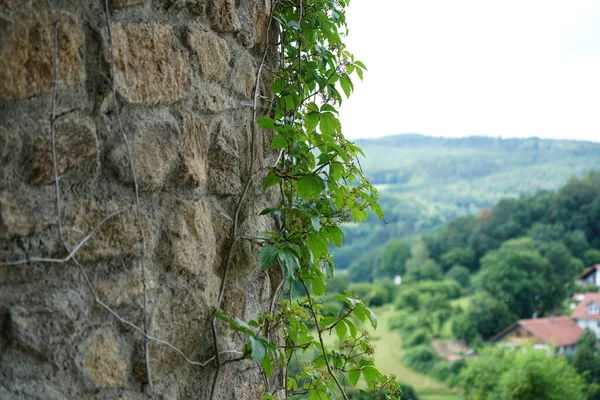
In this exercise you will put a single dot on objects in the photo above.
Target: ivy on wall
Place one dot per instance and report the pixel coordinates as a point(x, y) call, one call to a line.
point(322, 186)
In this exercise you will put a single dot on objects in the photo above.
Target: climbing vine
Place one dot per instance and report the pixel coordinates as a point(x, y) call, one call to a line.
point(322, 185)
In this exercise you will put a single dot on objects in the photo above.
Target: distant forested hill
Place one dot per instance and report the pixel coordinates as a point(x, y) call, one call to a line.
point(426, 181)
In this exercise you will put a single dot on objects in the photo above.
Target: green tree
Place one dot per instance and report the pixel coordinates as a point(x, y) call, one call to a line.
point(501, 374)
point(592, 257)
point(460, 274)
point(518, 276)
point(459, 256)
point(393, 257)
point(488, 315)
point(587, 362)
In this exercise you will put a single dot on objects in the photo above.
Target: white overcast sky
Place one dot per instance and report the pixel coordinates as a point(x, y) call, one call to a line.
point(510, 68)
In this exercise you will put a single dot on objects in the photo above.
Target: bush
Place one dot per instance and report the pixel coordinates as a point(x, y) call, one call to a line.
point(592, 257)
point(408, 392)
point(441, 371)
point(338, 284)
point(361, 290)
point(420, 358)
point(408, 298)
point(399, 320)
point(460, 274)
point(418, 337)
point(450, 288)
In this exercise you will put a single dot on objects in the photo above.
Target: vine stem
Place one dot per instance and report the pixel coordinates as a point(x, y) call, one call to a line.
point(137, 197)
point(320, 334)
point(256, 95)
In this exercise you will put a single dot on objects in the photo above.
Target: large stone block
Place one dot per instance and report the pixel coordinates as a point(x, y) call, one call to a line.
point(39, 329)
point(223, 17)
point(76, 149)
point(22, 214)
point(118, 236)
point(153, 143)
point(101, 360)
point(224, 162)
point(213, 54)
point(194, 156)
point(26, 52)
point(189, 243)
point(149, 70)
point(244, 76)
point(123, 289)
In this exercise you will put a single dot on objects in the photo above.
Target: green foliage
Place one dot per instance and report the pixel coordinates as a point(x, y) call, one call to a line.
point(338, 284)
point(518, 275)
point(528, 374)
point(487, 315)
point(419, 337)
point(587, 362)
point(459, 274)
point(393, 257)
point(322, 187)
point(592, 257)
point(459, 256)
point(421, 358)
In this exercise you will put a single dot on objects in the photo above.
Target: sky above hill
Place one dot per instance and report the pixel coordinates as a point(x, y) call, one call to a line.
point(509, 68)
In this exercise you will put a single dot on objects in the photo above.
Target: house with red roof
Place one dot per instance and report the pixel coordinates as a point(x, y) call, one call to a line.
point(587, 313)
point(560, 332)
point(591, 276)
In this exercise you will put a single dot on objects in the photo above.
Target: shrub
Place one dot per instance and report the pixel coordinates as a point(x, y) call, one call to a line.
point(459, 274)
point(418, 337)
point(420, 358)
point(408, 392)
point(338, 284)
point(408, 298)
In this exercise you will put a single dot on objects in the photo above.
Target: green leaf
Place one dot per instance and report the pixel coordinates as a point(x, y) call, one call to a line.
point(317, 395)
point(311, 120)
point(317, 246)
point(328, 107)
point(353, 377)
point(341, 330)
point(371, 375)
point(279, 142)
point(329, 124)
point(267, 256)
point(266, 123)
point(360, 64)
point(266, 363)
point(316, 223)
point(270, 180)
point(309, 186)
point(346, 84)
point(258, 350)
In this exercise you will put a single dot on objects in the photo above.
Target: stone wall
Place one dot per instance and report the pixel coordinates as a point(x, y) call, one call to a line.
point(185, 74)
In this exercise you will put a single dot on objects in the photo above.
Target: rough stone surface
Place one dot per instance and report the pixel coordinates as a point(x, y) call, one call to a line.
point(213, 54)
point(26, 53)
point(244, 76)
point(185, 72)
point(102, 360)
point(190, 239)
point(194, 156)
point(116, 237)
point(223, 17)
point(149, 69)
point(153, 144)
point(76, 149)
point(125, 3)
point(224, 162)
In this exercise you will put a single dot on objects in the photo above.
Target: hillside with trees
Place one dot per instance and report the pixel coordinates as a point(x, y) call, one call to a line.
point(425, 182)
point(475, 276)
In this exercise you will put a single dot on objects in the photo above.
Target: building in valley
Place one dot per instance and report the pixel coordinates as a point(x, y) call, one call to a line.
point(587, 313)
point(591, 276)
point(560, 332)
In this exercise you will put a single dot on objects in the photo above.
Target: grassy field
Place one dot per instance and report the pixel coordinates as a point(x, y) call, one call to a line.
point(388, 353)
